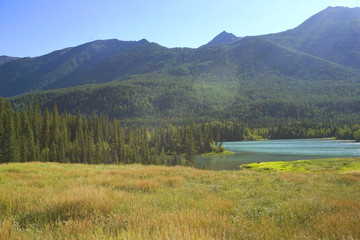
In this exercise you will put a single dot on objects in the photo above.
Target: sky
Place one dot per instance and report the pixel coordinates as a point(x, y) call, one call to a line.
point(30, 28)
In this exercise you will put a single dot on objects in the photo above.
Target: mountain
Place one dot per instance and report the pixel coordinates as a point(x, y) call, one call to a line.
point(332, 34)
point(6, 59)
point(223, 38)
point(295, 75)
point(61, 68)
point(254, 81)
point(113, 60)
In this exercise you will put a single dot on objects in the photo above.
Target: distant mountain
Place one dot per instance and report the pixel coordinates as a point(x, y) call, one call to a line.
point(113, 60)
point(332, 34)
point(223, 38)
point(254, 80)
point(6, 59)
point(310, 73)
point(62, 68)
point(330, 38)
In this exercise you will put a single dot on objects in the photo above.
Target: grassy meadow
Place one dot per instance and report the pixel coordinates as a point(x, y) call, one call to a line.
point(69, 201)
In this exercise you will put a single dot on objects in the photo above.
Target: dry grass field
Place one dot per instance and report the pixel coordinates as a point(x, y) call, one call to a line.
point(63, 201)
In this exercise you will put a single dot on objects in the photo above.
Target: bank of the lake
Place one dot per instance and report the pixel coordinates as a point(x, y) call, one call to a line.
point(225, 153)
point(318, 165)
point(278, 150)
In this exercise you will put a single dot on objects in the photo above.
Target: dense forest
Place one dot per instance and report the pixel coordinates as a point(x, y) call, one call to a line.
point(261, 100)
point(50, 136)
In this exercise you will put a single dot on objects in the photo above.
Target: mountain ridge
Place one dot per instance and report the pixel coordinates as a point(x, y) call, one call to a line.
point(5, 59)
point(297, 74)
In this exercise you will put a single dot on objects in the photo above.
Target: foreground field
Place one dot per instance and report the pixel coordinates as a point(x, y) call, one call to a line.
point(63, 201)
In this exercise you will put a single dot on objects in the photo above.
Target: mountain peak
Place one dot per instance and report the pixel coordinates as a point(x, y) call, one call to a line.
point(332, 34)
point(331, 16)
point(224, 38)
point(143, 41)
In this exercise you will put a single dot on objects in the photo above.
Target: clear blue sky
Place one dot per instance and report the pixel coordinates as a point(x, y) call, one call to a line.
point(36, 27)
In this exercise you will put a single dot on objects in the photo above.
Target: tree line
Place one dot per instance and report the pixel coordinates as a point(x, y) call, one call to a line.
point(50, 136)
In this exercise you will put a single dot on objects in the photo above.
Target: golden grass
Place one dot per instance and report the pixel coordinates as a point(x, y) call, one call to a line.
point(63, 201)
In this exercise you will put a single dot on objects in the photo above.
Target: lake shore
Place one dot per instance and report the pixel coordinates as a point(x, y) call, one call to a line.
point(277, 150)
point(218, 153)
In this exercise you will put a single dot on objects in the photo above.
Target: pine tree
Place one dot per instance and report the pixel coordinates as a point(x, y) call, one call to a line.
point(24, 152)
point(10, 151)
point(154, 157)
point(37, 150)
point(35, 119)
point(190, 149)
point(90, 148)
point(54, 126)
point(53, 154)
point(45, 130)
point(2, 105)
point(162, 158)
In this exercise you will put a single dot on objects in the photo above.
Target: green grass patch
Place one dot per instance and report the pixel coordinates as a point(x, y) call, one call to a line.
point(316, 165)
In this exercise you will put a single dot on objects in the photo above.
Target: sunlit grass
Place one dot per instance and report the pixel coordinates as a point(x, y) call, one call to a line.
point(63, 201)
point(318, 165)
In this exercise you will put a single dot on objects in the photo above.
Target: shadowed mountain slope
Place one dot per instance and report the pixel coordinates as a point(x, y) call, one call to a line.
point(332, 34)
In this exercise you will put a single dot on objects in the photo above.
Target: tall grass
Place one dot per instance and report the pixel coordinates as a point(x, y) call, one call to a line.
point(60, 201)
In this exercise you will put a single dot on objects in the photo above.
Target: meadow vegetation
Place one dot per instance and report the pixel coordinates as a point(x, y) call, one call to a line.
point(319, 165)
point(77, 201)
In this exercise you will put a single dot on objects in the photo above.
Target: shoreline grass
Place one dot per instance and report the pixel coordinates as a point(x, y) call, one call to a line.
point(74, 201)
point(218, 153)
point(315, 165)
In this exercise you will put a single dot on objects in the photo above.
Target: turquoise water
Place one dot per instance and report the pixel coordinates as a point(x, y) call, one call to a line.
point(278, 150)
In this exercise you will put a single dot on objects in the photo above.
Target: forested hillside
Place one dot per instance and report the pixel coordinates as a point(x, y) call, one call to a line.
point(295, 75)
point(156, 100)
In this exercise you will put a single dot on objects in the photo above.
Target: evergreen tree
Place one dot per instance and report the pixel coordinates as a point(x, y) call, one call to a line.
point(10, 151)
point(162, 157)
point(54, 132)
point(45, 130)
point(190, 149)
point(35, 119)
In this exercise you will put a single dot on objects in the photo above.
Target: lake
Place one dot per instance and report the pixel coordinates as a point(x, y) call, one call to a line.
point(278, 150)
